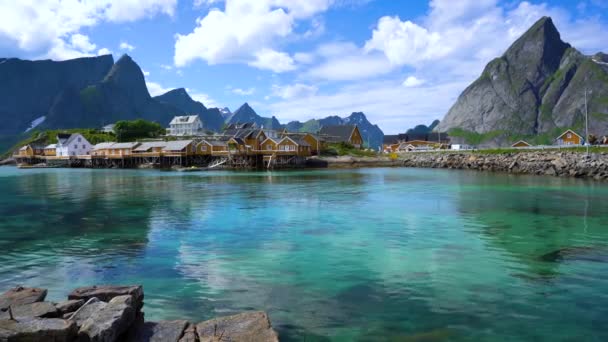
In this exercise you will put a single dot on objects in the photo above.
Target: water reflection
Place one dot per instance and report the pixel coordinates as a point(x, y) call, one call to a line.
point(347, 255)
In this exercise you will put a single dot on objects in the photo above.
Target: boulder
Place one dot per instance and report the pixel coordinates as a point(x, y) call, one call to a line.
point(248, 326)
point(107, 292)
point(21, 295)
point(87, 310)
point(170, 331)
point(40, 309)
point(189, 334)
point(38, 329)
point(69, 305)
point(109, 323)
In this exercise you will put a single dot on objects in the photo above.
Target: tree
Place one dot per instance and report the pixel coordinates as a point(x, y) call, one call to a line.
point(137, 129)
point(592, 139)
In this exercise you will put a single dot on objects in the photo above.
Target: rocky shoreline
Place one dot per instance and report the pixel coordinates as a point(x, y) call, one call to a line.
point(113, 313)
point(549, 163)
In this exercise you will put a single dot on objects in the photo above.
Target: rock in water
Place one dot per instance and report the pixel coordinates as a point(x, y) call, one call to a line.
point(39, 309)
point(248, 326)
point(21, 295)
point(109, 323)
point(107, 292)
point(37, 329)
point(164, 331)
point(87, 310)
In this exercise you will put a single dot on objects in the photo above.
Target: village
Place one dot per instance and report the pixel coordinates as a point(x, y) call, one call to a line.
point(187, 145)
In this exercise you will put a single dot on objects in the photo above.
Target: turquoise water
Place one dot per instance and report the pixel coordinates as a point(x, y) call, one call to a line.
point(350, 255)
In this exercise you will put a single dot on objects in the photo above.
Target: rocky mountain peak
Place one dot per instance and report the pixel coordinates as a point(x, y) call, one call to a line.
point(126, 75)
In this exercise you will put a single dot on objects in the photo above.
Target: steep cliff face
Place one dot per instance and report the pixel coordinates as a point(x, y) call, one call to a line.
point(180, 99)
point(534, 89)
point(30, 88)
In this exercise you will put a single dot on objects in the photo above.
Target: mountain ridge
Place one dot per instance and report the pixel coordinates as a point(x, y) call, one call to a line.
point(534, 90)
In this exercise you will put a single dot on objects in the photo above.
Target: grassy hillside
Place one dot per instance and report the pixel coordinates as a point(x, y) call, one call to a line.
point(50, 137)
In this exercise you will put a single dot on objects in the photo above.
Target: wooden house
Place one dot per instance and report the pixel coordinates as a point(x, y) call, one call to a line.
point(311, 139)
point(72, 145)
point(293, 146)
point(149, 149)
point(521, 143)
point(50, 150)
point(269, 145)
point(237, 145)
point(569, 137)
point(26, 152)
point(212, 147)
point(120, 150)
point(101, 149)
point(179, 148)
point(342, 134)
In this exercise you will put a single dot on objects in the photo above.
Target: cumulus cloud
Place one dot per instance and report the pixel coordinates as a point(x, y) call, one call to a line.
point(126, 46)
point(44, 29)
point(243, 92)
point(293, 91)
point(246, 31)
point(412, 81)
point(104, 51)
point(203, 98)
point(156, 89)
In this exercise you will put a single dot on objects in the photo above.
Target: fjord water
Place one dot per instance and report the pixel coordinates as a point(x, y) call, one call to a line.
point(369, 254)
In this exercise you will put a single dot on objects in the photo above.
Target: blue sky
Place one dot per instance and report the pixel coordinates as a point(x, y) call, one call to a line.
point(400, 62)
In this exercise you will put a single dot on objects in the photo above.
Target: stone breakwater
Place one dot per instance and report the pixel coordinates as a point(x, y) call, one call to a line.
point(549, 163)
point(113, 313)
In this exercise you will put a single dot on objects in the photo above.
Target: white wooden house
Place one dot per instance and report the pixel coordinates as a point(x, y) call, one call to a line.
point(69, 145)
point(185, 126)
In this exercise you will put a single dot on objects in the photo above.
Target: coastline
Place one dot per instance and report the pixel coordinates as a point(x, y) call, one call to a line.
point(547, 163)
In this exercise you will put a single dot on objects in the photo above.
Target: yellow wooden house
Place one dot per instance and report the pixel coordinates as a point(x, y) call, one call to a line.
point(179, 148)
point(342, 133)
point(569, 137)
point(521, 143)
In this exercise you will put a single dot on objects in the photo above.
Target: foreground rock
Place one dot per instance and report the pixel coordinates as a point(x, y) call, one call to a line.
point(107, 292)
point(109, 323)
point(38, 329)
point(164, 331)
point(69, 306)
point(249, 326)
point(20, 296)
point(40, 309)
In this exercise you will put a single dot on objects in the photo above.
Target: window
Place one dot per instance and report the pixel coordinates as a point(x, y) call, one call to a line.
point(75, 146)
point(79, 139)
point(269, 147)
point(569, 135)
point(84, 147)
point(204, 148)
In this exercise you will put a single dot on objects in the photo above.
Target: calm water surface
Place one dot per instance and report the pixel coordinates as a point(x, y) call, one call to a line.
point(354, 255)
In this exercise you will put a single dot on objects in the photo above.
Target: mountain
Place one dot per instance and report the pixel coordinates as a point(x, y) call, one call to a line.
point(225, 112)
point(180, 99)
point(121, 95)
point(533, 91)
point(372, 134)
point(423, 129)
point(30, 88)
point(246, 114)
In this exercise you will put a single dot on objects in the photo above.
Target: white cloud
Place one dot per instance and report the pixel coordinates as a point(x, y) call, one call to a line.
point(156, 89)
point(104, 51)
point(351, 67)
point(273, 60)
point(293, 91)
point(166, 67)
point(243, 92)
point(412, 81)
point(45, 29)
point(146, 73)
point(246, 31)
point(204, 99)
point(126, 46)
point(304, 57)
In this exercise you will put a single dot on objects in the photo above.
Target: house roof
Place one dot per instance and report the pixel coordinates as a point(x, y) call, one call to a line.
point(147, 146)
point(521, 141)
point(110, 126)
point(238, 140)
point(177, 145)
point(569, 131)
point(188, 119)
point(275, 141)
point(343, 132)
point(125, 145)
point(24, 148)
point(217, 143)
point(67, 138)
point(51, 146)
point(390, 139)
point(102, 146)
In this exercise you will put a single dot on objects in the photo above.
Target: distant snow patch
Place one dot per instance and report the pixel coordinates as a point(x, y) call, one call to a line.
point(35, 123)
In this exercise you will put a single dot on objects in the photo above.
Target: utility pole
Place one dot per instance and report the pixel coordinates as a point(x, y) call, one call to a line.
point(586, 122)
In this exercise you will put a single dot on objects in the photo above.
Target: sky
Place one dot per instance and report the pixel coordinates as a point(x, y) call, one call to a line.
point(402, 63)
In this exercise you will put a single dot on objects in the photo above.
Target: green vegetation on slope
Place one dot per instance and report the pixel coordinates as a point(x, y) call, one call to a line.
point(345, 149)
point(137, 129)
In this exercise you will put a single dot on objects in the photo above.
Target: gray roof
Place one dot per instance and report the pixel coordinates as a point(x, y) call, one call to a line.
point(184, 119)
point(177, 145)
point(103, 145)
point(341, 132)
point(146, 146)
point(299, 141)
point(50, 146)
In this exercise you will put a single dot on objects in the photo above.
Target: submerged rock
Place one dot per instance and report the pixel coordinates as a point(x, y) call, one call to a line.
point(40, 309)
point(38, 329)
point(163, 331)
point(109, 323)
point(248, 326)
point(107, 292)
point(576, 253)
point(21, 295)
